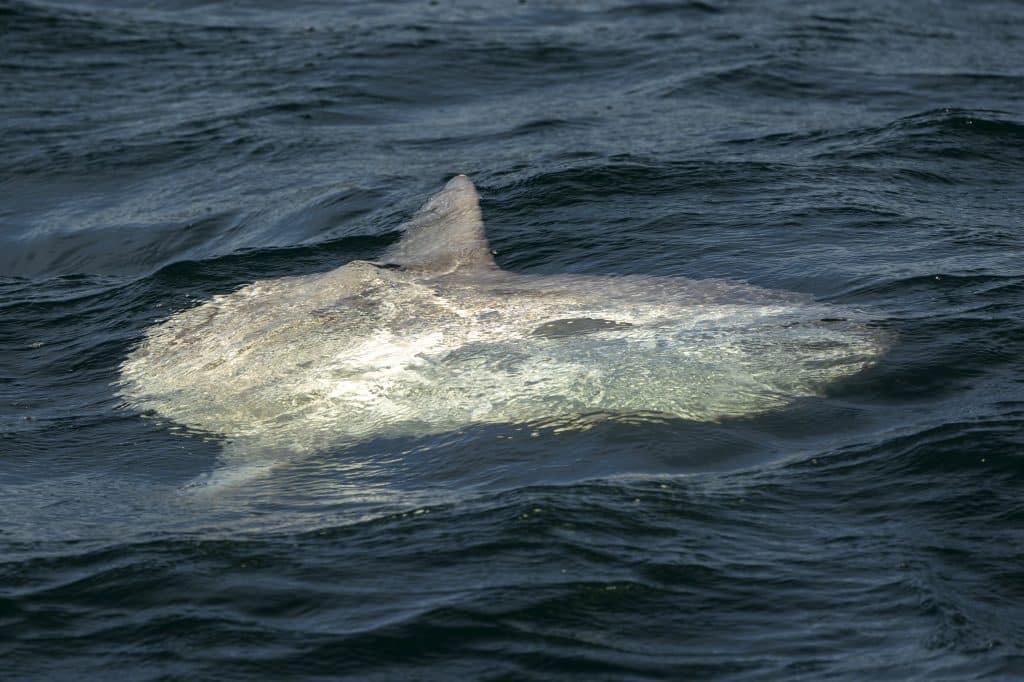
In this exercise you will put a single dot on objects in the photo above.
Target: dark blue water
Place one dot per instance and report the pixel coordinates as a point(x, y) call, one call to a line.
point(868, 154)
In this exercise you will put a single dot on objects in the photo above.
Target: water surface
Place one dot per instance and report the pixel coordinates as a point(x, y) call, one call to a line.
point(867, 155)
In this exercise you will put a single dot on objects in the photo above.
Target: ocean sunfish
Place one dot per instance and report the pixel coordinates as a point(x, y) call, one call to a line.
point(434, 336)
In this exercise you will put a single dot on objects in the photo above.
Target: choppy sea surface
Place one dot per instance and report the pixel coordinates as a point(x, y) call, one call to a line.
point(868, 154)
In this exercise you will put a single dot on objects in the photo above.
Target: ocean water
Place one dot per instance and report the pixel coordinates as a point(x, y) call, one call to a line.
point(867, 154)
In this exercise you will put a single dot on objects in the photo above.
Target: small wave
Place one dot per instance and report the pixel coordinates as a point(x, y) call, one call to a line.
point(952, 134)
point(663, 9)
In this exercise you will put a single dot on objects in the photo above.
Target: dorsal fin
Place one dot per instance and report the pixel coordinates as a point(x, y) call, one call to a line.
point(446, 234)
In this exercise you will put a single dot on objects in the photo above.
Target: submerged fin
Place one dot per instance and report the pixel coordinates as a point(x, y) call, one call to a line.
point(447, 234)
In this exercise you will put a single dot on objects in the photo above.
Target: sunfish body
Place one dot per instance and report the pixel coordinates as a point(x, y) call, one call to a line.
point(435, 336)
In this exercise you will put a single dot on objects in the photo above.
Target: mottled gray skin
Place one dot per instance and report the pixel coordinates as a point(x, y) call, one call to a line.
point(435, 336)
